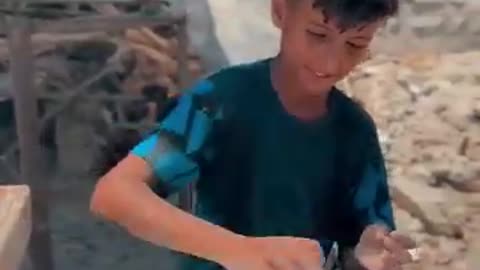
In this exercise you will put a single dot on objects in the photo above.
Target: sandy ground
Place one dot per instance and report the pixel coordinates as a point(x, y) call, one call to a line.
point(81, 241)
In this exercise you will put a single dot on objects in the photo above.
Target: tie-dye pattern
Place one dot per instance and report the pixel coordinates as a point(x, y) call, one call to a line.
point(181, 135)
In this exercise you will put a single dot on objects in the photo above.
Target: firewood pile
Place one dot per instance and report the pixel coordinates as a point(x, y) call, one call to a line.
point(149, 56)
point(138, 65)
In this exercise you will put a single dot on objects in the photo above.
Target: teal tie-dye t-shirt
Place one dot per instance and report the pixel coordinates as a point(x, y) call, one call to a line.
point(259, 171)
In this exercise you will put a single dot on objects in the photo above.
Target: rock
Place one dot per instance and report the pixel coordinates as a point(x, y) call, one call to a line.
point(442, 258)
point(473, 201)
point(15, 225)
point(472, 257)
point(447, 251)
point(459, 213)
point(422, 62)
point(457, 116)
point(459, 173)
point(411, 197)
point(405, 222)
point(453, 247)
point(459, 265)
point(476, 110)
point(472, 150)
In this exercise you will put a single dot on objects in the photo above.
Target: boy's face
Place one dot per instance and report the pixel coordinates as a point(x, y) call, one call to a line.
point(315, 52)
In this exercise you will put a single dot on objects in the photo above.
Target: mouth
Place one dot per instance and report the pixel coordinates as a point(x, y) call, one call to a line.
point(319, 74)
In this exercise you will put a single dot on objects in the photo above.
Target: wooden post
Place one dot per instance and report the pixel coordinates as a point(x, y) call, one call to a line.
point(31, 169)
point(186, 199)
point(15, 228)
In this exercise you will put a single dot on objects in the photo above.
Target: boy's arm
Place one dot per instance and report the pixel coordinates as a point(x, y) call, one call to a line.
point(370, 202)
point(125, 196)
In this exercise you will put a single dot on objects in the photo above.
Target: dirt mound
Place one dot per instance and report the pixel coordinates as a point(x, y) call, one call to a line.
point(427, 108)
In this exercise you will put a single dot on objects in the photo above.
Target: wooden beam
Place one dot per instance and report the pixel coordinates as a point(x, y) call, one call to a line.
point(79, 1)
point(104, 23)
point(121, 98)
point(76, 93)
point(186, 197)
point(96, 23)
point(45, 42)
point(15, 225)
point(67, 99)
point(31, 169)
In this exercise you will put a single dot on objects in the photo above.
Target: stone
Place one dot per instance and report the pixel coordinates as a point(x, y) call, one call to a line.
point(472, 257)
point(472, 150)
point(460, 173)
point(473, 201)
point(459, 265)
point(15, 225)
point(405, 222)
point(412, 197)
point(476, 111)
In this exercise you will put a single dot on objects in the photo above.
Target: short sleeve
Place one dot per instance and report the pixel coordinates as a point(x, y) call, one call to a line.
point(365, 193)
point(182, 139)
point(371, 202)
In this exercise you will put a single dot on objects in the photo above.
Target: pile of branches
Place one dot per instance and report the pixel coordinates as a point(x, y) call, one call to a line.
point(140, 63)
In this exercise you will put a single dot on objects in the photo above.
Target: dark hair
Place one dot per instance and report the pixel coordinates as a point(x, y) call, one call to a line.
point(351, 13)
point(120, 141)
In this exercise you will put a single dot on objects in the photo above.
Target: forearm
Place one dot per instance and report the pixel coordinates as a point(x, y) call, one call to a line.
point(135, 207)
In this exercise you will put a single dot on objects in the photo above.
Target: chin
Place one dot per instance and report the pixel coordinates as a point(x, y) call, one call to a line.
point(317, 90)
point(315, 86)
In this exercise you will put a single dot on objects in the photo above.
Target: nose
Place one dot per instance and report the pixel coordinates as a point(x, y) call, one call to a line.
point(331, 61)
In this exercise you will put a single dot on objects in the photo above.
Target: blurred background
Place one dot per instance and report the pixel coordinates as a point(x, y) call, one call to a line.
point(93, 76)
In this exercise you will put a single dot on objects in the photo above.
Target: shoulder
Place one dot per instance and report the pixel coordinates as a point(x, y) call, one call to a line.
point(237, 73)
point(352, 117)
point(230, 88)
point(360, 146)
point(221, 86)
point(233, 80)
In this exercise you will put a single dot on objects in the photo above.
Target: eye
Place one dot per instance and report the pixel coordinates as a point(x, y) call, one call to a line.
point(317, 34)
point(357, 46)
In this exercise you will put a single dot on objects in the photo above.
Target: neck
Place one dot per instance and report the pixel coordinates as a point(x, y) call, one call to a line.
point(295, 100)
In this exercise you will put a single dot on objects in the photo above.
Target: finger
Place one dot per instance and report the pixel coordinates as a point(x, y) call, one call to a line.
point(389, 262)
point(405, 241)
point(397, 251)
point(375, 235)
point(305, 243)
point(377, 230)
point(309, 260)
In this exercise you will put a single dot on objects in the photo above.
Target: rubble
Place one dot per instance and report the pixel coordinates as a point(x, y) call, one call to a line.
point(426, 106)
point(16, 225)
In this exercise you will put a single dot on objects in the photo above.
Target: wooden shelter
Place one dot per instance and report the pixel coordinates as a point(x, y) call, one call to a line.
point(21, 24)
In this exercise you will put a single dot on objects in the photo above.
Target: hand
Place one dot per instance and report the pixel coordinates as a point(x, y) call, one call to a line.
point(275, 253)
point(380, 249)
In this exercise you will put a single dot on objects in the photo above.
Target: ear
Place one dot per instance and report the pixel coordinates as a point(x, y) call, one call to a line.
point(278, 12)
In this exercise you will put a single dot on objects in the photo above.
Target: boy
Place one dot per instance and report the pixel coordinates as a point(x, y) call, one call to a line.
point(283, 162)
